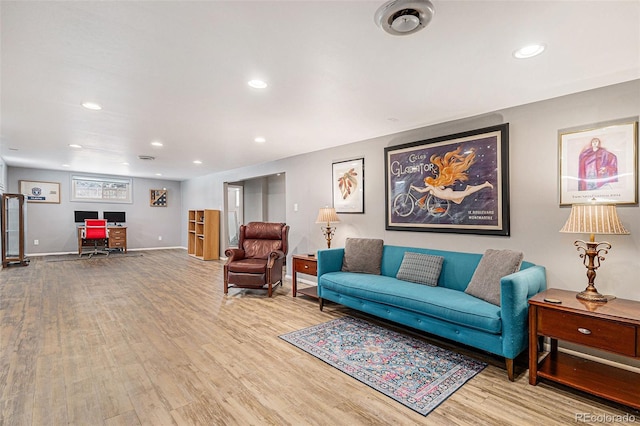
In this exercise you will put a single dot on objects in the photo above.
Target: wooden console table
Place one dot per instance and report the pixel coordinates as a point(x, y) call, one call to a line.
point(304, 264)
point(612, 327)
point(117, 238)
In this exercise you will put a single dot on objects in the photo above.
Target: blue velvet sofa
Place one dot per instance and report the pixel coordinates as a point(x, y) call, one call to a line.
point(444, 310)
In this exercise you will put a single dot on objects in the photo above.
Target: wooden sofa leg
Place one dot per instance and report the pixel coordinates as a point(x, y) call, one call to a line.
point(509, 362)
point(321, 303)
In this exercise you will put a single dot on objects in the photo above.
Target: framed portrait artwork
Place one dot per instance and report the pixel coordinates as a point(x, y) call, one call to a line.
point(348, 186)
point(40, 192)
point(599, 163)
point(457, 183)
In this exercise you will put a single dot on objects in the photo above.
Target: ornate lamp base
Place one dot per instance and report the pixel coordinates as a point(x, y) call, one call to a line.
point(590, 294)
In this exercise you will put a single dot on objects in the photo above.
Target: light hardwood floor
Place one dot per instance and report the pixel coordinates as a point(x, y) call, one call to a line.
point(151, 339)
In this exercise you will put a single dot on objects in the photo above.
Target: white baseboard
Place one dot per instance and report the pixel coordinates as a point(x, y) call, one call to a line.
point(76, 252)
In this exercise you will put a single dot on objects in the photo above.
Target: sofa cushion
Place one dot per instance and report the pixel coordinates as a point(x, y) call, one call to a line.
point(495, 264)
point(362, 255)
point(444, 303)
point(420, 268)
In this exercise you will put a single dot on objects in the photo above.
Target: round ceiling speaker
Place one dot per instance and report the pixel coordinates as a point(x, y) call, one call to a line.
point(404, 17)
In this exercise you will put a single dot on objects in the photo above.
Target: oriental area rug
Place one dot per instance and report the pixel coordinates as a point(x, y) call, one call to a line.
point(411, 371)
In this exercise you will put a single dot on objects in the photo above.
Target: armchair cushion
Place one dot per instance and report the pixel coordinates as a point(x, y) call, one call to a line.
point(260, 249)
point(249, 266)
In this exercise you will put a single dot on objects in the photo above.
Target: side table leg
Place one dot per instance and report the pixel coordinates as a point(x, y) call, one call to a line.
point(294, 281)
point(533, 345)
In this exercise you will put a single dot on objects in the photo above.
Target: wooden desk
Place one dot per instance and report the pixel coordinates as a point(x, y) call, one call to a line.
point(613, 327)
point(304, 264)
point(117, 238)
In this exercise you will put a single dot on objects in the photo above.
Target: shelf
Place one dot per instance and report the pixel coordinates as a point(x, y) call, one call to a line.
point(309, 291)
point(593, 377)
point(203, 239)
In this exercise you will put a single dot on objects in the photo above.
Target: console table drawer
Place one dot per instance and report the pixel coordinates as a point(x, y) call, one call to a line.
point(306, 266)
point(589, 331)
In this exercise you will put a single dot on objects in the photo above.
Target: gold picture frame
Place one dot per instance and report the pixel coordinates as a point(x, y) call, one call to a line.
point(158, 198)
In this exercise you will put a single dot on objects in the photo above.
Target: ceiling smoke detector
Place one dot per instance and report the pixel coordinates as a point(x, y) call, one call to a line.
point(404, 17)
point(146, 157)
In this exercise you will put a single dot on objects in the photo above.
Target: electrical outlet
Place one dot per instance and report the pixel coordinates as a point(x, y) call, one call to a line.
point(36, 242)
point(159, 237)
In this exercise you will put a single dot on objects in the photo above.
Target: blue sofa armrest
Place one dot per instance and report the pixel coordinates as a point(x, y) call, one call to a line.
point(330, 260)
point(515, 291)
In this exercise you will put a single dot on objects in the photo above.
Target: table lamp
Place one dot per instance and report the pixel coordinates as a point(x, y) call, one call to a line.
point(593, 219)
point(327, 216)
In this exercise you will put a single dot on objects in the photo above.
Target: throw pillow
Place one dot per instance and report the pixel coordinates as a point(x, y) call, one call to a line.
point(495, 264)
point(362, 255)
point(420, 268)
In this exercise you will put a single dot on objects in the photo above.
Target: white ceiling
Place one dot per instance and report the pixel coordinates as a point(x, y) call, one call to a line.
point(177, 72)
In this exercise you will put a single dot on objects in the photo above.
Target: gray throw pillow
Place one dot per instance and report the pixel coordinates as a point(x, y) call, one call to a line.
point(420, 268)
point(362, 255)
point(495, 264)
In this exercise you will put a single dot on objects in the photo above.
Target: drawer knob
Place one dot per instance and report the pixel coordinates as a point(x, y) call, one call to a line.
point(306, 266)
point(584, 330)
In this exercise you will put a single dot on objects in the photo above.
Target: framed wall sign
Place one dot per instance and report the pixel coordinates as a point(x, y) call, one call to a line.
point(457, 183)
point(348, 186)
point(158, 198)
point(40, 192)
point(599, 162)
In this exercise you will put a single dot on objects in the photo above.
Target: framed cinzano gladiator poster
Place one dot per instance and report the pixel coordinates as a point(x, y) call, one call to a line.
point(457, 183)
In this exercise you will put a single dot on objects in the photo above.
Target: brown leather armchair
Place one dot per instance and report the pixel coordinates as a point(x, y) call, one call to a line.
point(259, 258)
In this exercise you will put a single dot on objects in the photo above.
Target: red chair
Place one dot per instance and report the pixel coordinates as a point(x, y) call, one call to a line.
point(96, 230)
point(259, 258)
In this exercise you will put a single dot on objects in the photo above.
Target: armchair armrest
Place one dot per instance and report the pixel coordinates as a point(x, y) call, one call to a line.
point(234, 254)
point(515, 291)
point(273, 257)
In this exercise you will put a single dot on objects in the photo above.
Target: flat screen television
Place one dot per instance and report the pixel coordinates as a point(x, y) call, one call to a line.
point(114, 217)
point(81, 215)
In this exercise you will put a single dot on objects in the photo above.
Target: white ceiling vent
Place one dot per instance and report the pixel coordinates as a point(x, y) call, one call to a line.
point(146, 157)
point(404, 17)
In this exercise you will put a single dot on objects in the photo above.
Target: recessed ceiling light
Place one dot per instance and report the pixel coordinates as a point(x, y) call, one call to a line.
point(529, 51)
point(156, 143)
point(158, 174)
point(257, 84)
point(75, 145)
point(260, 139)
point(92, 106)
point(197, 162)
point(66, 165)
point(125, 164)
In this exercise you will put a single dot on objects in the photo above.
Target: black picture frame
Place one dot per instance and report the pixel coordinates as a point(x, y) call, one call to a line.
point(457, 183)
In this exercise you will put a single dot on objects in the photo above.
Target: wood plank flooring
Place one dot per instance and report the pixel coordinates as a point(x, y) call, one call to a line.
point(152, 339)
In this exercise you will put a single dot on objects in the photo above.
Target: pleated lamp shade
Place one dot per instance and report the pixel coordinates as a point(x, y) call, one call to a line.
point(327, 215)
point(594, 219)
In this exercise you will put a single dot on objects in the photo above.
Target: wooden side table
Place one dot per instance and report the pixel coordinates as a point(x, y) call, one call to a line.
point(612, 327)
point(304, 264)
